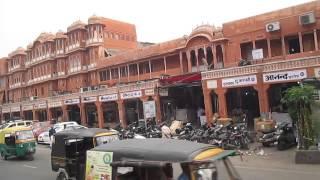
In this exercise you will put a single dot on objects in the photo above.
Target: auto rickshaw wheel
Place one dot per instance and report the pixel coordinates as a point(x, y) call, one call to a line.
point(3, 156)
point(30, 157)
point(61, 176)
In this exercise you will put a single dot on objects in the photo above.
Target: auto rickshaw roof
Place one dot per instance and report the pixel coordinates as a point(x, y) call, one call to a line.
point(83, 133)
point(161, 150)
point(15, 129)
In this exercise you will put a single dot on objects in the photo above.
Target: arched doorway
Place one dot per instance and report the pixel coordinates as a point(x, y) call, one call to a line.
point(214, 102)
point(74, 113)
point(209, 58)
point(219, 55)
point(134, 110)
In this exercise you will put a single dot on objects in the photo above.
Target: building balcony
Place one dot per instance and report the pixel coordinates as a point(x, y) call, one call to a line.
point(94, 41)
point(14, 68)
point(74, 47)
point(263, 67)
point(37, 60)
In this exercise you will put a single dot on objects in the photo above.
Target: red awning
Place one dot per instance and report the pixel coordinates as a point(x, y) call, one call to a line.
point(181, 79)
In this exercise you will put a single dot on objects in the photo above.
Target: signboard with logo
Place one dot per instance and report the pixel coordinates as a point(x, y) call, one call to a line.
point(149, 109)
point(27, 107)
point(132, 94)
point(89, 99)
point(41, 105)
point(163, 91)
point(98, 165)
point(212, 84)
point(15, 109)
point(149, 92)
point(239, 81)
point(72, 101)
point(54, 104)
point(108, 97)
point(317, 72)
point(285, 76)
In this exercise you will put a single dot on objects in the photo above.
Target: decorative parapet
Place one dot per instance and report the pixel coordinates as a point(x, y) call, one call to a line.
point(266, 67)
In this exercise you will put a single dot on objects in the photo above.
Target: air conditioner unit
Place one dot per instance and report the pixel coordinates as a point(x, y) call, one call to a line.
point(84, 89)
point(273, 26)
point(33, 98)
point(307, 19)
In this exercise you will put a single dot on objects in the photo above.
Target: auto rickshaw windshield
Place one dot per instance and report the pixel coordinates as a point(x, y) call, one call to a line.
point(20, 135)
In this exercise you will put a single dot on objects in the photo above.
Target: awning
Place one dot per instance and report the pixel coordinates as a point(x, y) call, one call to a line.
point(185, 79)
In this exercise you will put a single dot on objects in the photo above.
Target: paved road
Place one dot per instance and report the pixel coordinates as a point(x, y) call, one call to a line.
point(274, 165)
point(38, 169)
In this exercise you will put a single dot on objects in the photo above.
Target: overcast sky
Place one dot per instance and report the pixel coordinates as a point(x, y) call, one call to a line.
point(21, 21)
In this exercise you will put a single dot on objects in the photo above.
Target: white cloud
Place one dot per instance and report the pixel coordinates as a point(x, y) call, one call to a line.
point(156, 21)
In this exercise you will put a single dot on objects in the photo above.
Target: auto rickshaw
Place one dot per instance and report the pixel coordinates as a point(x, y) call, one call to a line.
point(68, 155)
point(159, 159)
point(17, 141)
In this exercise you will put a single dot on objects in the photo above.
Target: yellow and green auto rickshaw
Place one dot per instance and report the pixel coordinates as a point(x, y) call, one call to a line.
point(17, 141)
point(159, 159)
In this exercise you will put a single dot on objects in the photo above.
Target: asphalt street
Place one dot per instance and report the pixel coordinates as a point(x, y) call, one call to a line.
point(273, 165)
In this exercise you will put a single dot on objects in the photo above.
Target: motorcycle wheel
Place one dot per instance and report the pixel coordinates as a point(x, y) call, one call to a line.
point(61, 176)
point(3, 156)
point(282, 145)
point(266, 144)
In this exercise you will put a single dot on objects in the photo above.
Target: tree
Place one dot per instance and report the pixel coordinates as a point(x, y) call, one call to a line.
point(299, 100)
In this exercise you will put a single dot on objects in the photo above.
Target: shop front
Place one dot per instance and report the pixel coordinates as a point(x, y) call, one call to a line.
point(71, 110)
point(55, 112)
point(110, 112)
point(27, 111)
point(90, 109)
point(132, 105)
point(182, 98)
point(40, 111)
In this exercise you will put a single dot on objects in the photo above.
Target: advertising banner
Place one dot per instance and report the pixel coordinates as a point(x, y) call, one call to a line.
point(149, 109)
point(149, 92)
point(54, 104)
point(98, 165)
point(89, 99)
point(72, 101)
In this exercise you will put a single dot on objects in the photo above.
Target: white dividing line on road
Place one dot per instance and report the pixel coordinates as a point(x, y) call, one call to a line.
point(33, 167)
point(278, 170)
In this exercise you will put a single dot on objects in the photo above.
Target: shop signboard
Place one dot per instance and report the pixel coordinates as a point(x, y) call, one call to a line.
point(149, 109)
point(132, 94)
point(212, 84)
point(163, 92)
point(149, 92)
point(239, 81)
point(54, 104)
point(15, 109)
point(317, 72)
point(257, 54)
point(41, 105)
point(27, 107)
point(89, 99)
point(98, 165)
point(285, 76)
point(72, 101)
point(108, 97)
point(5, 109)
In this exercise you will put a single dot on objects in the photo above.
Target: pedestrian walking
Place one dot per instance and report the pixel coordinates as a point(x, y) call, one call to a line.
point(52, 131)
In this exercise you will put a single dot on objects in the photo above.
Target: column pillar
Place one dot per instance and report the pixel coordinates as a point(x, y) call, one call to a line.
point(49, 114)
point(315, 36)
point(262, 90)
point(254, 44)
point(65, 115)
point(35, 115)
point(207, 102)
point(165, 64)
point(223, 53)
point(213, 49)
point(222, 102)
point(138, 71)
point(269, 48)
point(181, 63)
point(122, 113)
point(283, 45)
point(197, 59)
point(300, 41)
point(156, 98)
point(189, 61)
point(21, 113)
point(150, 69)
point(100, 114)
point(83, 114)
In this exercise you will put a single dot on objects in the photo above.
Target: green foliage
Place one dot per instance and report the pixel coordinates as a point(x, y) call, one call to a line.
point(299, 100)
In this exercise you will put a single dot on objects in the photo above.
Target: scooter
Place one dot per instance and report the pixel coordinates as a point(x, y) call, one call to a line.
point(287, 138)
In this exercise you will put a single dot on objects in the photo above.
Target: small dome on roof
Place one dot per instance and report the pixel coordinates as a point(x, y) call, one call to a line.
point(60, 34)
point(76, 25)
point(206, 28)
point(95, 20)
point(18, 51)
